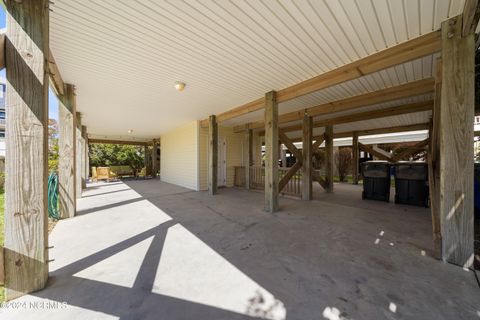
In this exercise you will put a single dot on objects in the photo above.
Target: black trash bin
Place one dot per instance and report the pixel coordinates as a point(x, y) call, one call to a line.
point(376, 180)
point(411, 183)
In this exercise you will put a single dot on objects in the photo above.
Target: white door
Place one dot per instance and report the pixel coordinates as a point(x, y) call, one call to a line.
point(222, 162)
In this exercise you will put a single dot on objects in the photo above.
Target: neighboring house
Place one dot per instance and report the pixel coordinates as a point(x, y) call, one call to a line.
point(2, 124)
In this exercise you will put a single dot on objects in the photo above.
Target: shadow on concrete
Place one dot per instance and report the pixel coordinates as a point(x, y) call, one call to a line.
point(320, 259)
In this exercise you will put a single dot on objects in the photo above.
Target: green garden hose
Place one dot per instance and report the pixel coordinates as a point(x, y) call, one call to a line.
point(53, 211)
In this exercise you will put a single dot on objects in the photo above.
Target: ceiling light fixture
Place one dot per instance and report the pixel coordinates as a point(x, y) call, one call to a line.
point(130, 131)
point(179, 86)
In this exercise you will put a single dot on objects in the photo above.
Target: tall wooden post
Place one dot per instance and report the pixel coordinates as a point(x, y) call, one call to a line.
point(355, 156)
point(147, 159)
point(84, 157)
point(307, 170)
point(87, 159)
point(26, 58)
point(248, 159)
point(212, 154)
point(329, 158)
point(271, 152)
point(79, 156)
point(456, 143)
point(67, 146)
point(283, 154)
point(434, 163)
point(154, 158)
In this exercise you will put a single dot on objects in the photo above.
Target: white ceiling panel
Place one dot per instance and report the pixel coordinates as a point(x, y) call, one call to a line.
point(125, 55)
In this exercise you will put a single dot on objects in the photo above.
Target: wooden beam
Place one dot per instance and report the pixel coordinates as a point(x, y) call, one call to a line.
point(248, 156)
point(289, 144)
point(456, 143)
point(212, 155)
point(67, 148)
point(471, 16)
point(408, 151)
point(290, 173)
point(108, 141)
point(407, 128)
point(386, 95)
point(147, 160)
point(78, 155)
point(372, 151)
point(329, 158)
point(154, 158)
point(87, 158)
point(346, 134)
point(307, 169)
point(318, 142)
point(433, 163)
point(406, 51)
point(271, 152)
point(320, 181)
point(355, 157)
point(84, 157)
point(26, 223)
point(367, 115)
point(2, 266)
point(2, 49)
point(55, 75)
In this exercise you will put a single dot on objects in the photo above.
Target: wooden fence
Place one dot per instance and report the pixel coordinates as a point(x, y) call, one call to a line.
point(257, 180)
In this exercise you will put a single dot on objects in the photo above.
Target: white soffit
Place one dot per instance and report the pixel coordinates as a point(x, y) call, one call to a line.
point(124, 56)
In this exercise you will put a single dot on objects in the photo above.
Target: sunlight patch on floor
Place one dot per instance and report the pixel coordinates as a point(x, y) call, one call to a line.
point(120, 269)
point(190, 270)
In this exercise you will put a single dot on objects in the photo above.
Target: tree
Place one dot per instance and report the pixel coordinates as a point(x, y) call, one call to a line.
point(104, 155)
point(343, 158)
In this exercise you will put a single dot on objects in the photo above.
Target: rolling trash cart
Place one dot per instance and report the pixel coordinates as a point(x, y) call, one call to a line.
point(376, 180)
point(411, 183)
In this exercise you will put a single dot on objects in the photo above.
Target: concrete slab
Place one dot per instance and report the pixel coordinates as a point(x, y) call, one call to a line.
point(151, 250)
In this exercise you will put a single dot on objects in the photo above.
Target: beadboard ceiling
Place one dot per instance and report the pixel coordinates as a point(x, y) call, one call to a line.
point(125, 55)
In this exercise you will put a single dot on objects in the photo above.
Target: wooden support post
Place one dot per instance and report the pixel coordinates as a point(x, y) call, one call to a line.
point(87, 158)
point(84, 157)
point(456, 143)
point(154, 158)
point(355, 156)
point(283, 153)
point(26, 235)
point(78, 156)
point(271, 152)
point(212, 155)
point(434, 163)
point(67, 148)
point(307, 154)
point(329, 158)
point(248, 157)
point(147, 159)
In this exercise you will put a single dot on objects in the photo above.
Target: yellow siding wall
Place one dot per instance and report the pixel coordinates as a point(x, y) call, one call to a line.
point(234, 154)
point(179, 156)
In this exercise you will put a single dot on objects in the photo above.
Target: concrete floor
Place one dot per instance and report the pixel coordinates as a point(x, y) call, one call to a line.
point(151, 250)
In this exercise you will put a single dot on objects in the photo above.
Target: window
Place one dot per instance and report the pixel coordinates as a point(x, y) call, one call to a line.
point(2, 133)
point(2, 114)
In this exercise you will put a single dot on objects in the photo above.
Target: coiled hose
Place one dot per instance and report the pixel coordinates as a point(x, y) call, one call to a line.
point(53, 211)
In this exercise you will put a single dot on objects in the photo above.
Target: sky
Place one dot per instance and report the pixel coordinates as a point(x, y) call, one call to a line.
point(52, 99)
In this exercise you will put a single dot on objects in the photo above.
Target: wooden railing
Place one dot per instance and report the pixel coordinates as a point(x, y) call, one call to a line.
point(294, 185)
point(257, 180)
point(257, 177)
point(239, 178)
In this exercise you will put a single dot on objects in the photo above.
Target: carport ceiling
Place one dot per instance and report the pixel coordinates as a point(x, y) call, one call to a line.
point(125, 56)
